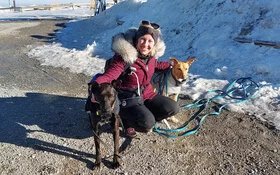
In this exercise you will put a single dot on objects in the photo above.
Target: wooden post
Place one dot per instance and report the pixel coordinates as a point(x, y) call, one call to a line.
point(92, 5)
point(14, 1)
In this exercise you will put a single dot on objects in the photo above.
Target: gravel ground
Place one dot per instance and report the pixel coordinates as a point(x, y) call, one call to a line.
point(44, 129)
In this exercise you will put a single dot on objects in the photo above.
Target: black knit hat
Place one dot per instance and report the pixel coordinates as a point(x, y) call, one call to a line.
point(148, 28)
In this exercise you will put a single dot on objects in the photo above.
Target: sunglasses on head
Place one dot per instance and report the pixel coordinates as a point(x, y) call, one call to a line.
point(154, 25)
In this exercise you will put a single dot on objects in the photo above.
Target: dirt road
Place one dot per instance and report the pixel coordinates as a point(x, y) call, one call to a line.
point(44, 129)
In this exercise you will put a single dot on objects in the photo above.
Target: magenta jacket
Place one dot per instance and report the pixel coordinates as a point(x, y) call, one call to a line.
point(126, 53)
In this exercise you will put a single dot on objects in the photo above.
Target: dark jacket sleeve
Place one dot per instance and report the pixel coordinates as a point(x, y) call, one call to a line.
point(113, 72)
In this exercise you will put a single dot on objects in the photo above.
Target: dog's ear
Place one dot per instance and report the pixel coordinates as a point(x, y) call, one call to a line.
point(116, 84)
point(190, 61)
point(173, 60)
point(94, 87)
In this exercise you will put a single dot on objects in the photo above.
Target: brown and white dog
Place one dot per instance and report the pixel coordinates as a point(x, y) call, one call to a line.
point(172, 84)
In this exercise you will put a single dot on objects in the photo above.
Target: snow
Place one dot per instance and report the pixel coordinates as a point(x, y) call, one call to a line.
point(7, 3)
point(204, 29)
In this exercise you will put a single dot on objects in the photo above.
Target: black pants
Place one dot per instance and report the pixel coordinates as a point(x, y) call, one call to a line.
point(143, 117)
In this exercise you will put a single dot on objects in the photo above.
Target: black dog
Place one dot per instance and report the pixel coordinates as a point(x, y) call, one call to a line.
point(104, 108)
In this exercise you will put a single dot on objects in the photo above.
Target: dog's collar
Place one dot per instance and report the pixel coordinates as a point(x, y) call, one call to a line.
point(178, 83)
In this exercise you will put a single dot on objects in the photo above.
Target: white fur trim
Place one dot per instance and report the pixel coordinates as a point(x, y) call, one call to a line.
point(123, 45)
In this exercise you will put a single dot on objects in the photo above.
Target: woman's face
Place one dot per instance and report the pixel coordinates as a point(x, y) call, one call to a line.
point(145, 44)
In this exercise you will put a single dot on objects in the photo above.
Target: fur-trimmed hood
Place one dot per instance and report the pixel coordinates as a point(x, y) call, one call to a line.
point(123, 44)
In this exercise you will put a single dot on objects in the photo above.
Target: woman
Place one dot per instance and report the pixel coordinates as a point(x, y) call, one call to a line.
point(141, 107)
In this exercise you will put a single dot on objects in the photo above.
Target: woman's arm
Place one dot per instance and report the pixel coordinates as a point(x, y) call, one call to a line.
point(113, 72)
point(162, 66)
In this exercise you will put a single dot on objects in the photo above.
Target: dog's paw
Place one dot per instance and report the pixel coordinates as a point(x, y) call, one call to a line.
point(116, 163)
point(96, 166)
point(173, 119)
